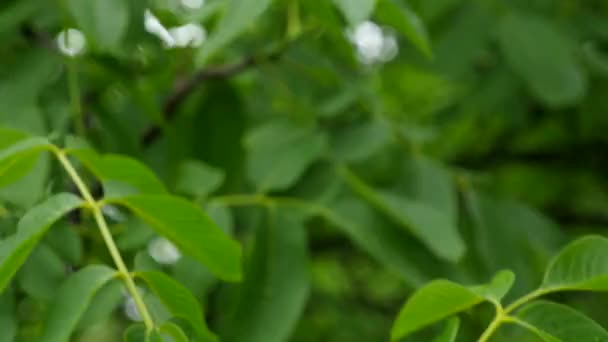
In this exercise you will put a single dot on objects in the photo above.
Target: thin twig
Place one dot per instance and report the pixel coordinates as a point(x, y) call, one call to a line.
point(182, 90)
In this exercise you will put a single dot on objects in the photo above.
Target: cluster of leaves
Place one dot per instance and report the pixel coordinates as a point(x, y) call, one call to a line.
point(348, 185)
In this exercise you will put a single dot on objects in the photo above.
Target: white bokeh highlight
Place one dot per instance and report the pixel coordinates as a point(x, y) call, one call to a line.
point(373, 43)
point(71, 42)
point(130, 310)
point(189, 35)
point(154, 26)
point(163, 251)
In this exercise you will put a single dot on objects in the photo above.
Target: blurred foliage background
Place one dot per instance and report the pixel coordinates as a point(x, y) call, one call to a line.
point(357, 149)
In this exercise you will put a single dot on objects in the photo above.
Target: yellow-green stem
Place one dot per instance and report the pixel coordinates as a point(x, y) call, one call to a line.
point(494, 325)
point(107, 237)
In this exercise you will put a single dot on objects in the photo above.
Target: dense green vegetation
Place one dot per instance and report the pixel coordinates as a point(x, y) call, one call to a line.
point(296, 170)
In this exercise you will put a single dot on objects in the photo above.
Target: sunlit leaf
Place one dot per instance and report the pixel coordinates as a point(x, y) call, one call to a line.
point(189, 229)
point(120, 169)
point(582, 265)
point(558, 322)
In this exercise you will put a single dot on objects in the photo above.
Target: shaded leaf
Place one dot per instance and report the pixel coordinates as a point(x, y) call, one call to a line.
point(423, 221)
point(359, 141)
point(42, 273)
point(276, 286)
point(542, 58)
point(381, 240)
point(582, 265)
point(189, 229)
point(197, 179)
point(179, 301)
point(15, 250)
point(561, 323)
point(104, 22)
point(450, 331)
point(405, 21)
point(8, 317)
point(174, 331)
point(72, 301)
point(280, 152)
point(239, 15)
point(356, 11)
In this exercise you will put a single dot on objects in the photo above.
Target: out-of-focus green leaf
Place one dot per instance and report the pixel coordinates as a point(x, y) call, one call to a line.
point(116, 168)
point(423, 221)
point(179, 301)
point(450, 331)
point(135, 333)
point(558, 322)
point(15, 250)
point(359, 141)
point(197, 179)
point(189, 229)
point(65, 241)
point(238, 16)
point(173, 330)
point(356, 11)
point(383, 241)
point(276, 285)
point(582, 265)
point(42, 273)
point(72, 301)
point(541, 56)
point(405, 21)
point(280, 152)
point(104, 22)
point(8, 317)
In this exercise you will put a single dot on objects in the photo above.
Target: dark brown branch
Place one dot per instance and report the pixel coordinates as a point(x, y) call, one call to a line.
point(183, 89)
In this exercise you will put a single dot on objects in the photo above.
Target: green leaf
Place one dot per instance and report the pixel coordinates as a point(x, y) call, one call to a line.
point(450, 331)
point(434, 302)
point(276, 287)
point(280, 152)
point(42, 273)
point(197, 179)
point(541, 56)
point(32, 226)
point(179, 301)
point(384, 242)
point(189, 229)
point(356, 11)
point(405, 21)
point(582, 265)
point(558, 322)
point(497, 288)
point(18, 158)
point(8, 317)
point(135, 333)
point(104, 22)
point(111, 168)
point(72, 300)
point(359, 141)
point(174, 331)
point(423, 221)
point(14, 168)
point(239, 15)
point(429, 181)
